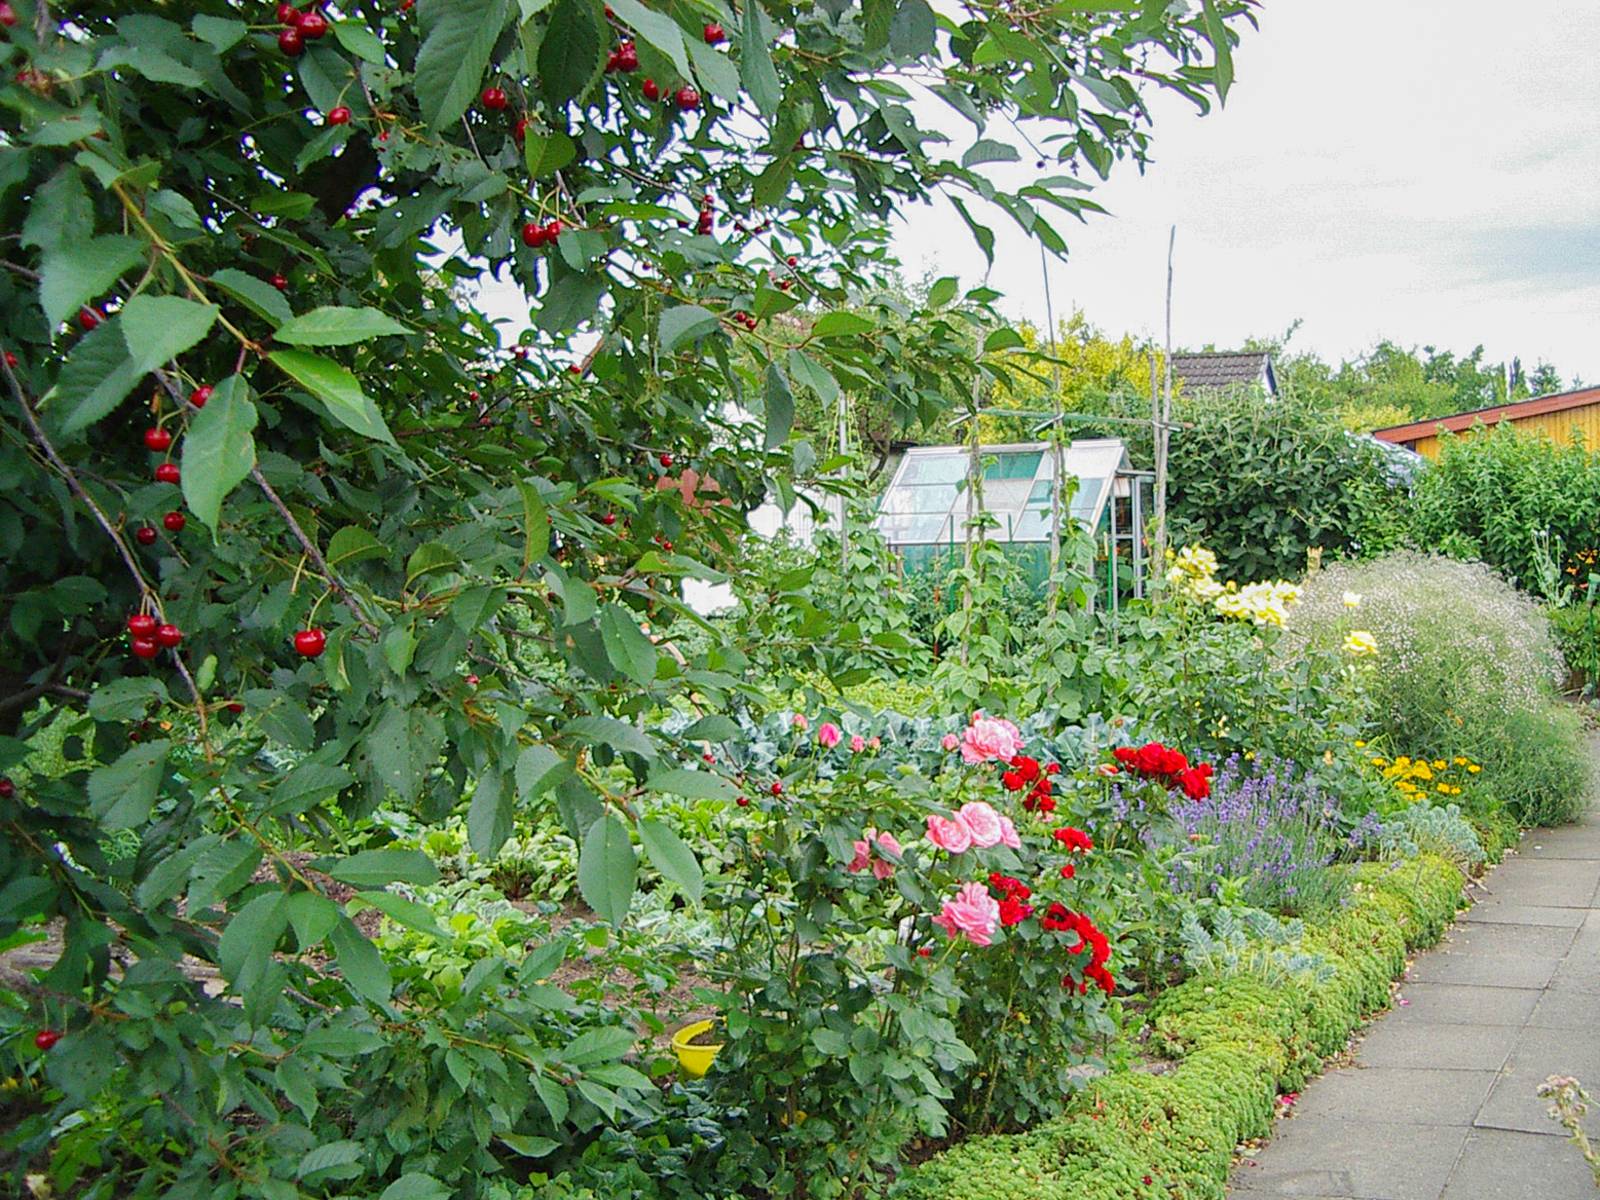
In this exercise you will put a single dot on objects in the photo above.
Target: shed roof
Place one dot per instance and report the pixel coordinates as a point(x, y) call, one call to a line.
point(1539, 406)
point(1224, 369)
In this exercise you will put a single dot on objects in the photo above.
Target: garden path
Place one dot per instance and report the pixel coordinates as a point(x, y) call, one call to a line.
point(1439, 1101)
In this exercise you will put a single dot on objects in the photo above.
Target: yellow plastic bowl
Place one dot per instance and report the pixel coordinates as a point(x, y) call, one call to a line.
point(695, 1060)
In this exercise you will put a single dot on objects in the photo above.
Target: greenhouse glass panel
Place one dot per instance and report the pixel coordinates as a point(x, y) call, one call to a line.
point(929, 498)
point(933, 468)
point(915, 528)
point(1013, 466)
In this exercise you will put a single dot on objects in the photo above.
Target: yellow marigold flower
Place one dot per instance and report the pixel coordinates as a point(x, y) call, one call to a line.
point(1403, 760)
point(1459, 761)
point(1444, 789)
point(1380, 762)
point(1474, 768)
point(1438, 764)
point(1360, 745)
point(1359, 643)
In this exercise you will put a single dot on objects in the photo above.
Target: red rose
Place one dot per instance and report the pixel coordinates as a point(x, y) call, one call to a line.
point(1068, 871)
point(1012, 781)
point(1195, 785)
point(1053, 769)
point(1013, 911)
point(1151, 758)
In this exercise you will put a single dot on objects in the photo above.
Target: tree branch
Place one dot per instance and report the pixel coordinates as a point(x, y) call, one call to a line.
point(335, 584)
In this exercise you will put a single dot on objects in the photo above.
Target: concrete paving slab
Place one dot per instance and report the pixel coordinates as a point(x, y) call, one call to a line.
point(1561, 883)
point(1445, 1047)
point(1506, 940)
point(1497, 1165)
point(1571, 841)
point(1359, 1160)
point(1494, 910)
point(1566, 1008)
point(1443, 967)
point(1538, 1054)
point(1463, 1004)
point(1397, 1095)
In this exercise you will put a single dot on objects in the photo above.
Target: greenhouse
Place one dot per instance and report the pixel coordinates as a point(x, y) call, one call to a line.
point(923, 513)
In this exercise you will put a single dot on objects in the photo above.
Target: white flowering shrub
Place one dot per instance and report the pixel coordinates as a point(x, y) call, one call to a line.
point(1465, 664)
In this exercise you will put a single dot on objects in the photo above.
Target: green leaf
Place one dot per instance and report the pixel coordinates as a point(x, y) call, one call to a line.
point(984, 150)
point(404, 912)
point(755, 65)
point(606, 1043)
point(332, 1160)
point(780, 407)
point(176, 209)
point(360, 963)
point(338, 389)
point(74, 272)
point(655, 29)
point(246, 944)
point(841, 324)
point(718, 74)
point(313, 917)
point(154, 64)
point(455, 53)
point(528, 1145)
point(415, 1185)
point(334, 326)
point(627, 646)
point(712, 728)
point(608, 869)
point(428, 558)
point(535, 525)
point(619, 735)
point(355, 37)
point(912, 29)
point(573, 51)
point(943, 291)
point(308, 785)
point(259, 296)
point(547, 153)
point(1217, 35)
point(159, 328)
point(553, 1096)
point(489, 816)
point(697, 785)
point(353, 544)
point(97, 375)
point(126, 698)
point(539, 768)
point(982, 234)
point(683, 322)
point(221, 34)
point(1002, 339)
point(122, 794)
point(672, 858)
point(219, 449)
point(375, 868)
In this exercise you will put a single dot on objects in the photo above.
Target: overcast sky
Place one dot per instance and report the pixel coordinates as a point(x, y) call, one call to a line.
point(1422, 170)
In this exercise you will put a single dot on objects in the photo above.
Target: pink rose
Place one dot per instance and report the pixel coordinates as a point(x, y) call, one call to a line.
point(989, 738)
point(828, 735)
point(887, 844)
point(983, 823)
point(951, 835)
point(863, 858)
point(875, 742)
point(857, 743)
point(974, 912)
point(1008, 834)
point(799, 722)
point(950, 741)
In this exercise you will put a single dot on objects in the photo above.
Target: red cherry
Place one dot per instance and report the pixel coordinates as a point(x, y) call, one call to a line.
point(473, 396)
point(407, 5)
point(8, 15)
point(520, 129)
point(667, 546)
point(552, 230)
point(924, 952)
point(167, 473)
point(472, 681)
point(200, 395)
point(339, 116)
point(168, 636)
point(708, 758)
point(609, 519)
point(574, 369)
point(288, 14)
point(715, 34)
point(234, 707)
point(7, 788)
point(46, 1038)
point(651, 90)
point(777, 787)
point(310, 643)
point(792, 261)
point(174, 521)
point(145, 648)
point(145, 535)
point(687, 98)
point(665, 460)
point(88, 318)
point(743, 801)
point(313, 26)
point(142, 625)
point(291, 42)
point(11, 359)
point(533, 234)
point(494, 98)
point(157, 440)
point(785, 284)
point(281, 282)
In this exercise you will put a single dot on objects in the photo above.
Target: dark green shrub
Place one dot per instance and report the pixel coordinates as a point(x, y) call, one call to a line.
point(1260, 483)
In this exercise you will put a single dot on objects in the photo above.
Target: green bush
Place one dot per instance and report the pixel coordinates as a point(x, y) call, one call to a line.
point(1135, 1135)
point(1466, 665)
point(1263, 482)
point(1488, 494)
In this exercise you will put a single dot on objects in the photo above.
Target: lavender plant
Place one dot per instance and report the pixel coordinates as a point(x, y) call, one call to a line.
point(1271, 832)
